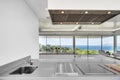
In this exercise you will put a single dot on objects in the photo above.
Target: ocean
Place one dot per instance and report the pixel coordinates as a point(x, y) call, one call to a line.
point(83, 47)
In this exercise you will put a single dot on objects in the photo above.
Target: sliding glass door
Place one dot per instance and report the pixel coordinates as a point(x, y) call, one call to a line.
point(83, 44)
point(87, 44)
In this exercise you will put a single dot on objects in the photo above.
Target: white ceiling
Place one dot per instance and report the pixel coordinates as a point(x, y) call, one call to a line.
point(84, 4)
point(40, 8)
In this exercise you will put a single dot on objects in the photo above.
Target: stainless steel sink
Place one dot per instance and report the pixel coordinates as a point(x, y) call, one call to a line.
point(25, 70)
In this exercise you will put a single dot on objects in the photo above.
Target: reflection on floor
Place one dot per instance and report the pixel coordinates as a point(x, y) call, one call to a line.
point(95, 65)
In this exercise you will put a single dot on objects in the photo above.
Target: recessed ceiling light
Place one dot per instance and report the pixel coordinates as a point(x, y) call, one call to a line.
point(62, 12)
point(109, 12)
point(61, 23)
point(77, 23)
point(86, 12)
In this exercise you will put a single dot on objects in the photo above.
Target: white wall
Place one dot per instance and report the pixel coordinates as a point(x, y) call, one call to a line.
point(18, 31)
point(84, 4)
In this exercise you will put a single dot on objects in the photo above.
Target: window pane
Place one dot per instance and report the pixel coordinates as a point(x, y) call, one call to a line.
point(53, 44)
point(66, 44)
point(108, 43)
point(42, 44)
point(81, 44)
point(118, 43)
point(94, 44)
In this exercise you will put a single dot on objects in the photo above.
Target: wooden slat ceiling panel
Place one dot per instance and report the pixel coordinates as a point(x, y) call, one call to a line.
point(73, 18)
point(88, 17)
point(58, 17)
point(103, 17)
point(79, 16)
